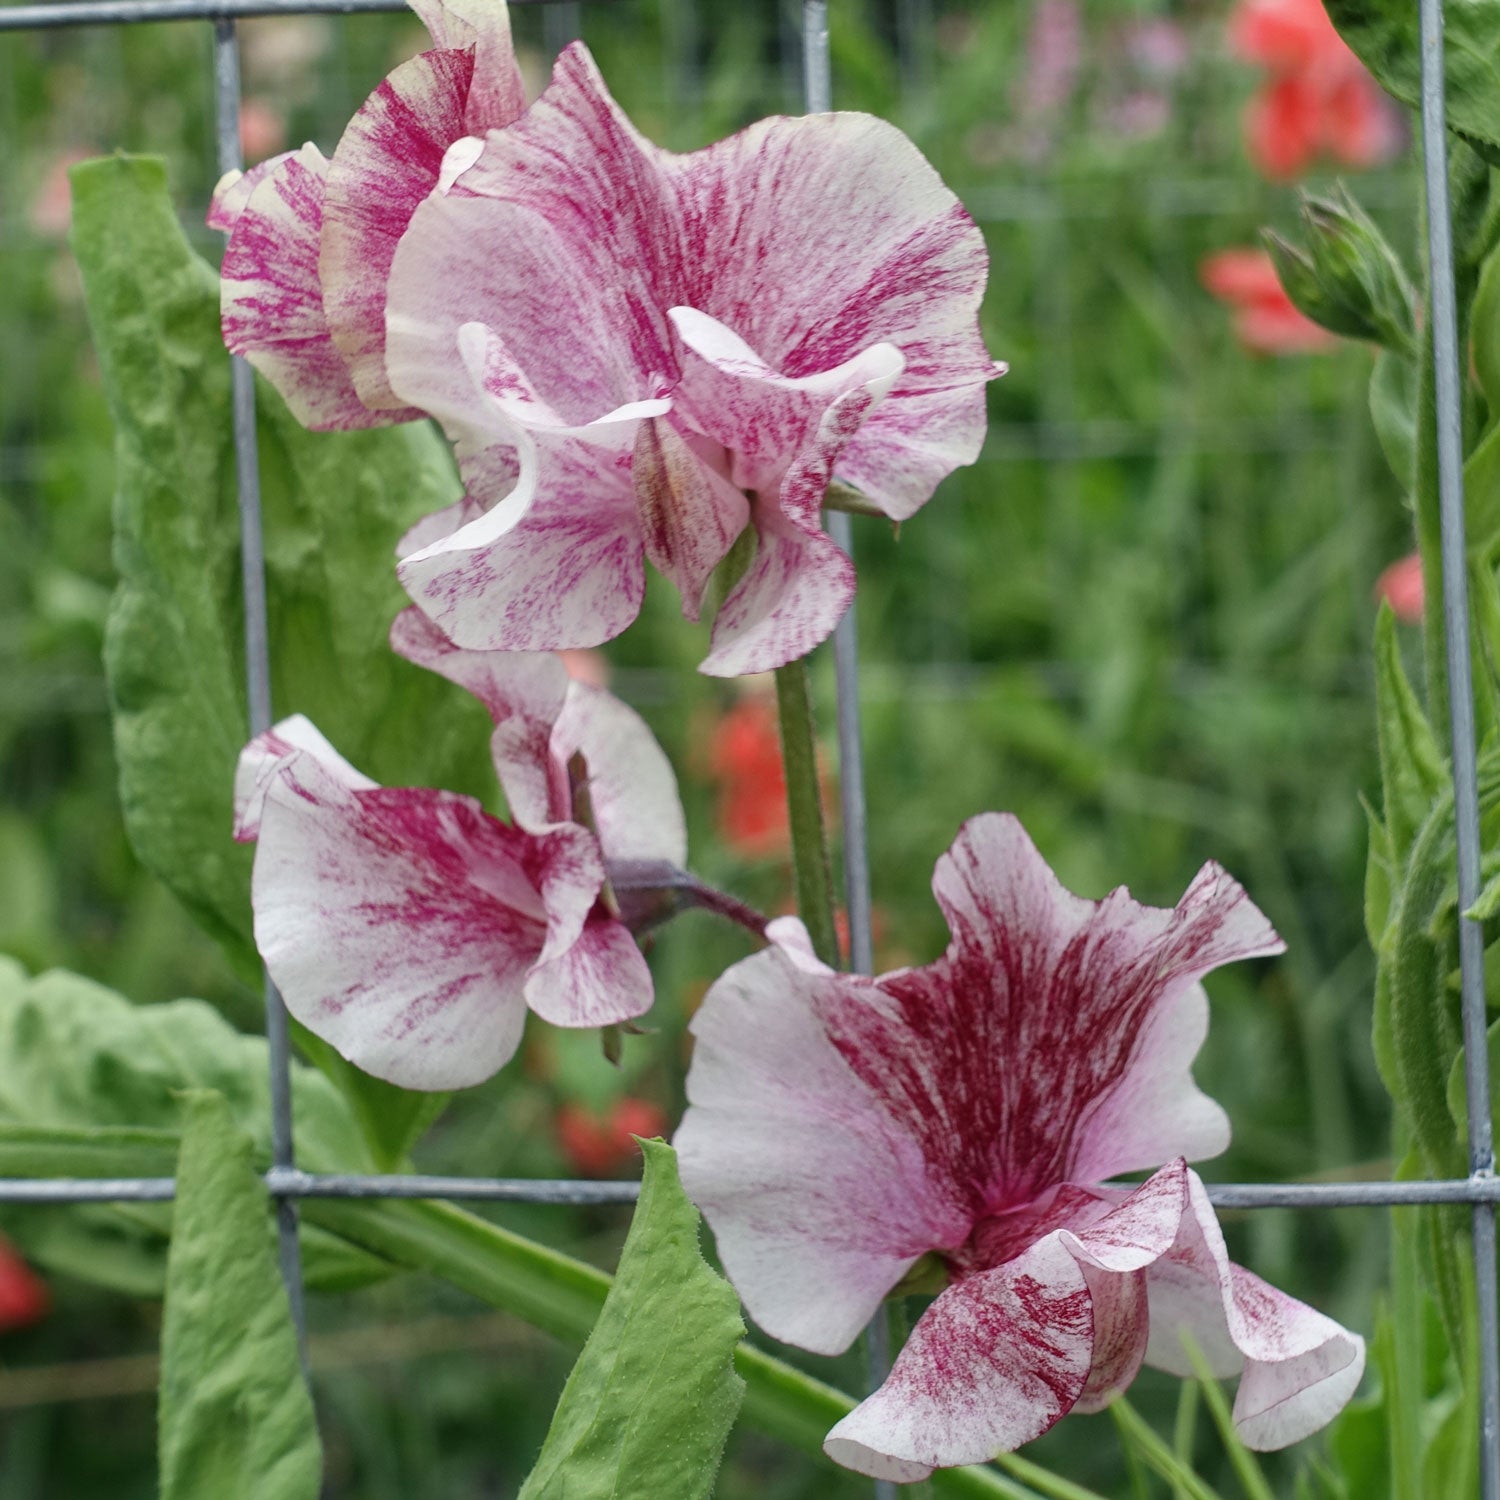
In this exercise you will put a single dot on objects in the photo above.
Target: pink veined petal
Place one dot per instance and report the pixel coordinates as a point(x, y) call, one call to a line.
point(791, 936)
point(632, 787)
point(523, 692)
point(562, 570)
point(498, 93)
point(399, 924)
point(601, 979)
point(233, 189)
point(862, 243)
point(438, 524)
point(690, 513)
point(262, 759)
point(794, 592)
point(767, 419)
point(1065, 991)
point(819, 1200)
point(1297, 1368)
point(386, 163)
point(993, 1363)
point(272, 299)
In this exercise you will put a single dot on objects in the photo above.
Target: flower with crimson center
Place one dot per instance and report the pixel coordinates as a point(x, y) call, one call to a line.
point(409, 928)
point(640, 355)
point(841, 1129)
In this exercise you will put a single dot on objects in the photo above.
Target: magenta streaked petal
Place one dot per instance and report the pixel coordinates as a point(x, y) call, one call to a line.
point(262, 759)
point(233, 189)
point(272, 299)
point(792, 595)
point(498, 94)
point(690, 513)
point(601, 979)
point(399, 924)
point(387, 162)
point(993, 1363)
point(632, 787)
point(561, 570)
point(1297, 1368)
point(820, 1200)
point(766, 419)
point(523, 692)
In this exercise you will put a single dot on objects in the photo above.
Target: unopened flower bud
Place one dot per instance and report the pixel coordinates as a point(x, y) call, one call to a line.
point(1346, 278)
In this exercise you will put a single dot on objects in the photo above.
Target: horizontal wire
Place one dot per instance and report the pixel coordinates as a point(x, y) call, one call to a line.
point(128, 12)
point(283, 1183)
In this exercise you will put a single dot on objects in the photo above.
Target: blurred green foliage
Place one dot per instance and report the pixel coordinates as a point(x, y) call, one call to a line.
point(1141, 622)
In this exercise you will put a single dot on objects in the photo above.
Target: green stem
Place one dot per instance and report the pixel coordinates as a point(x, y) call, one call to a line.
point(1252, 1481)
point(1185, 1431)
point(563, 1296)
point(1137, 1432)
point(804, 804)
point(1043, 1481)
point(1429, 539)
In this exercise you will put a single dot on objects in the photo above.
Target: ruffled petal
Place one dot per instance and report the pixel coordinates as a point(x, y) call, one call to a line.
point(859, 242)
point(497, 94)
point(993, 1363)
point(399, 925)
point(632, 787)
point(1297, 1368)
point(386, 163)
point(272, 298)
point(602, 978)
point(523, 693)
point(232, 192)
point(819, 1200)
point(262, 759)
point(1060, 1013)
point(562, 570)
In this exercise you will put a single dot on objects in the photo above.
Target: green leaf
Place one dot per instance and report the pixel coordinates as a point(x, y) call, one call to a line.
point(235, 1420)
point(649, 1405)
point(334, 504)
point(564, 1296)
point(1383, 35)
point(85, 1076)
point(1412, 770)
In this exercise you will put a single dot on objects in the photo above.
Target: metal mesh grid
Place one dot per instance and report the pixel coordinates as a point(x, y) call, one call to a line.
point(286, 1183)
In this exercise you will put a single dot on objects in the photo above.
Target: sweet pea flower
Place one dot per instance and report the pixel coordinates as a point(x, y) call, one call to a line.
point(640, 354)
point(411, 929)
point(1266, 321)
point(967, 1115)
point(1400, 585)
point(311, 240)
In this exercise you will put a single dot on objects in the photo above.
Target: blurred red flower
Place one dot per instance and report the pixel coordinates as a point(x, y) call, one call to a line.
point(1265, 320)
point(744, 758)
point(599, 1144)
point(1401, 587)
point(1317, 98)
point(24, 1298)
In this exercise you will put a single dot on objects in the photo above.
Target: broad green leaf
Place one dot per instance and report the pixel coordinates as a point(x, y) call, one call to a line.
point(650, 1403)
point(1484, 335)
point(1383, 35)
point(334, 504)
point(1412, 770)
point(235, 1419)
point(85, 1075)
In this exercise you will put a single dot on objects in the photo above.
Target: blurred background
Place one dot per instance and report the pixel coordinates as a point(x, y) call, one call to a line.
point(1141, 622)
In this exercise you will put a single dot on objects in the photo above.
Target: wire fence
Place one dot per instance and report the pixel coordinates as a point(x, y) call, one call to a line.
point(1044, 440)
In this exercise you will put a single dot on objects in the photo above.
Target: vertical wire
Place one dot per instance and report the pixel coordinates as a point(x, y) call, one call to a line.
point(1461, 713)
point(817, 90)
point(258, 674)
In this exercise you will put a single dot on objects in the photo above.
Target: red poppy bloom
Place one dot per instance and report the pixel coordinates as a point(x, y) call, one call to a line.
point(744, 758)
point(1317, 99)
point(24, 1298)
point(1265, 320)
point(1401, 587)
point(599, 1144)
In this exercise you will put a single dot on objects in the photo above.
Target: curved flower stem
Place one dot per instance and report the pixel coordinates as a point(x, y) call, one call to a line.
point(722, 904)
point(650, 892)
point(805, 811)
point(1054, 1486)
